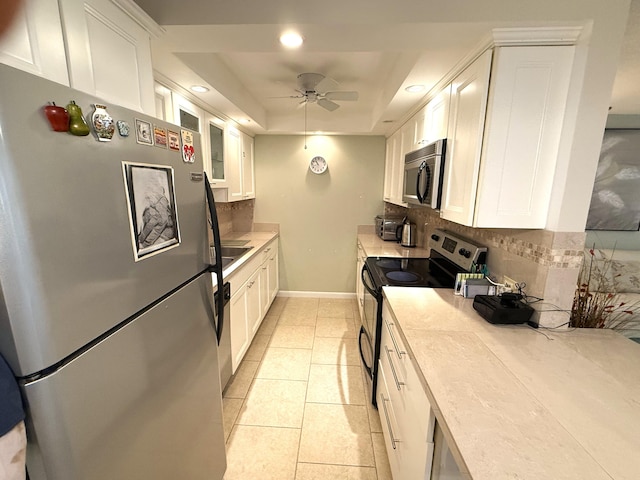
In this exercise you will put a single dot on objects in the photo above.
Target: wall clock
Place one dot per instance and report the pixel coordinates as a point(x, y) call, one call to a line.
point(318, 165)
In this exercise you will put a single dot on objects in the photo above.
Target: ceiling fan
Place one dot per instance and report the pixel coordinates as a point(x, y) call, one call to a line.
point(316, 88)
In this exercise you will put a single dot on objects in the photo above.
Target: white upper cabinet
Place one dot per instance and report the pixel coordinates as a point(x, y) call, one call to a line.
point(436, 118)
point(504, 139)
point(35, 42)
point(215, 161)
point(248, 172)
point(90, 45)
point(240, 168)
point(394, 170)
point(233, 154)
point(109, 54)
point(469, 92)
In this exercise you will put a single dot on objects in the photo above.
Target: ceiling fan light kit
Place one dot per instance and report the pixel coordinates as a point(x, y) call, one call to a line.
point(315, 88)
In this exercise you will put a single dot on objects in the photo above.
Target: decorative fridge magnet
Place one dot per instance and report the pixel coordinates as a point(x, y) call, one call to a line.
point(143, 132)
point(160, 137)
point(123, 128)
point(58, 117)
point(103, 123)
point(77, 125)
point(174, 140)
point(188, 152)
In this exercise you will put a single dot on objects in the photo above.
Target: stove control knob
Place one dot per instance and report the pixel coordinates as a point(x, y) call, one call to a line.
point(465, 253)
point(435, 237)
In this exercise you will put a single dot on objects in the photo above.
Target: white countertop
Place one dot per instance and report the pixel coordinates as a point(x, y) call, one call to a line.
point(521, 403)
point(257, 240)
point(374, 246)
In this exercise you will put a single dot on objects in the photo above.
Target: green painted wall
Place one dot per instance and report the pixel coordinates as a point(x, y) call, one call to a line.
point(318, 214)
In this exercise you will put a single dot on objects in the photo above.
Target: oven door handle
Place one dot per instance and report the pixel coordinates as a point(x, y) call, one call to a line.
point(368, 287)
point(368, 368)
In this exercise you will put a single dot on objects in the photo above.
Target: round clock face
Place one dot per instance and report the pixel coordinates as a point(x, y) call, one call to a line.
point(318, 165)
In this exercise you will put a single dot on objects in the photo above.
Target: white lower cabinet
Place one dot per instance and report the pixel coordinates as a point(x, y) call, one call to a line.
point(253, 288)
point(405, 412)
point(238, 325)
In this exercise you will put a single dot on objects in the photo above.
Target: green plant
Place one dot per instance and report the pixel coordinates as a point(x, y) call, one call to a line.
point(597, 303)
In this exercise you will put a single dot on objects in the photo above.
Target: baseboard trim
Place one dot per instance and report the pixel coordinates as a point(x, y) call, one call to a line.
point(302, 294)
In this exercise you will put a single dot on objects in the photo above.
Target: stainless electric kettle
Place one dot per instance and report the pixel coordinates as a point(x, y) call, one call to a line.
point(408, 238)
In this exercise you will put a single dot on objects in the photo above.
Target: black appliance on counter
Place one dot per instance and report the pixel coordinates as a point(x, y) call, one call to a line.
point(449, 255)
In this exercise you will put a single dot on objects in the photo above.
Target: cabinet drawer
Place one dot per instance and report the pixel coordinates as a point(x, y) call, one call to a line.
point(269, 251)
point(412, 451)
point(389, 424)
point(404, 378)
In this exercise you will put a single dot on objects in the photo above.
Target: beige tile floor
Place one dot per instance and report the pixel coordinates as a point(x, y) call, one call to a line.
point(297, 408)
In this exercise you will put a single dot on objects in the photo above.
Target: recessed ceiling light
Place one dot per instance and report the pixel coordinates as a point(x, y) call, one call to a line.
point(199, 88)
point(291, 40)
point(415, 88)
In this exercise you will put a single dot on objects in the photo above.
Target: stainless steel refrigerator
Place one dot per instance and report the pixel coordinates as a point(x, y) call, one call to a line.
point(112, 337)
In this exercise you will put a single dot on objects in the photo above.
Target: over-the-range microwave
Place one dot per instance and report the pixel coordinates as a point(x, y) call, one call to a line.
point(423, 172)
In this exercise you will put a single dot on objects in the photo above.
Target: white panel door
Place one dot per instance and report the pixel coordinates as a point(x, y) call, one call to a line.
point(35, 44)
point(233, 155)
point(238, 323)
point(109, 54)
point(469, 92)
point(437, 116)
point(527, 100)
point(248, 179)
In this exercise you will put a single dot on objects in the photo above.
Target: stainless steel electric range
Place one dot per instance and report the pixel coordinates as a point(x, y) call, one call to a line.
point(449, 254)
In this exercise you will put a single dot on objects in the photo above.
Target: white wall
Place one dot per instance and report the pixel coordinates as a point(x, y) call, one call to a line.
point(318, 214)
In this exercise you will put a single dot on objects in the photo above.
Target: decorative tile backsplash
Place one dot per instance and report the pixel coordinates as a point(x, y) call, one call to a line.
point(547, 263)
point(235, 216)
point(539, 246)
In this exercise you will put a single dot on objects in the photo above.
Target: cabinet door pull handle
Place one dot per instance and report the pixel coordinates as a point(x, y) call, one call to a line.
point(394, 440)
point(264, 268)
point(395, 344)
point(393, 369)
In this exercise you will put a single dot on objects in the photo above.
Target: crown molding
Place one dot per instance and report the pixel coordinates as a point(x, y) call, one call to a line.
point(140, 17)
point(505, 37)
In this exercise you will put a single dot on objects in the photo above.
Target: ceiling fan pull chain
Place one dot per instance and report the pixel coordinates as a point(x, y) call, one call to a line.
point(305, 125)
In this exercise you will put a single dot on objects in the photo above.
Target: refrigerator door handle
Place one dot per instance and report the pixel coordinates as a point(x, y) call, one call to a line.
point(217, 267)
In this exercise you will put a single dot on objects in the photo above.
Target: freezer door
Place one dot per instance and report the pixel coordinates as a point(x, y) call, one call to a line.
point(143, 404)
point(67, 268)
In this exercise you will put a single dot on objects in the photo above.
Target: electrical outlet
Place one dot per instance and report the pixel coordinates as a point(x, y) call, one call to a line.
point(509, 284)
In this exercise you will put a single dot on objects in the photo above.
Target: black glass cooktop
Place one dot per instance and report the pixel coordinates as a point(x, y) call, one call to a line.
point(411, 272)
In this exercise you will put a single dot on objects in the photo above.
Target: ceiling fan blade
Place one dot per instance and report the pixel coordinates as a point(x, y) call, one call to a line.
point(342, 96)
point(309, 81)
point(327, 104)
point(327, 84)
point(289, 96)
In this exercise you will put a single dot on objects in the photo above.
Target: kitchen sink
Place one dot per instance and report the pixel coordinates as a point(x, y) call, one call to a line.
point(234, 252)
point(234, 243)
point(231, 254)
